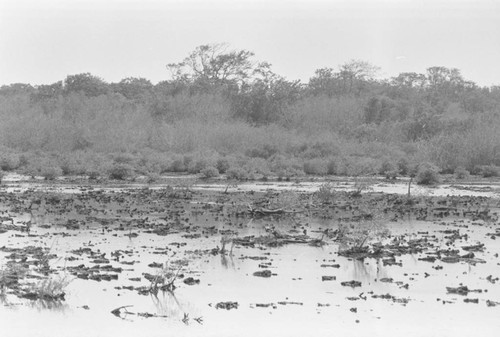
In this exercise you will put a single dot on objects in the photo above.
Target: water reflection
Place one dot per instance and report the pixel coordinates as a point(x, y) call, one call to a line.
point(291, 262)
point(227, 263)
point(55, 306)
point(4, 300)
point(367, 271)
point(167, 304)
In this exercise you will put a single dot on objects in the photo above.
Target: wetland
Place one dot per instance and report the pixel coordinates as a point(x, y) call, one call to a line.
point(189, 257)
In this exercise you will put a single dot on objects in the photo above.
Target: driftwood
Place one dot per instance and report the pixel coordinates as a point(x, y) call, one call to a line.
point(276, 240)
point(117, 311)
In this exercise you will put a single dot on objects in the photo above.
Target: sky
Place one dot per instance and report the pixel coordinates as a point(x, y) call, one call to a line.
point(43, 41)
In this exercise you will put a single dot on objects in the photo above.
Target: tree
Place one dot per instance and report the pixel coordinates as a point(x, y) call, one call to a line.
point(409, 80)
point(353, 77)
point(16, 89)
point(444, 83)
point(87, 83)
point(378, 109)
point(47, 96)
point(325, 81)
point(214, 64)
point(133, 88)
point(266, 101)
point(355, 74)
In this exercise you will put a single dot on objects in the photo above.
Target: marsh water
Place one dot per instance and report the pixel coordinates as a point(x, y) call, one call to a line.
point(302, 295)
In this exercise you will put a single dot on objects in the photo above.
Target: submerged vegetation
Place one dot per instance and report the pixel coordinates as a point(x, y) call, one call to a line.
point(222, 112)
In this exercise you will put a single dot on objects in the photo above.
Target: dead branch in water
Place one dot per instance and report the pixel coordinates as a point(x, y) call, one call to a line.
point(117, 311)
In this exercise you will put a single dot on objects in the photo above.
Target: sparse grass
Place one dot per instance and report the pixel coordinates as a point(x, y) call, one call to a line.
point(50, 288)
point(357, 235)
point(286, 200)
point(166, 276)
point(182, 190)
point(326, 193)
point(360, 186)
point(230, 185)
point(11, 274)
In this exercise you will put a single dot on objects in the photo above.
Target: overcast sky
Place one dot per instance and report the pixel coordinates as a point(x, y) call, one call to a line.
point(43, 41)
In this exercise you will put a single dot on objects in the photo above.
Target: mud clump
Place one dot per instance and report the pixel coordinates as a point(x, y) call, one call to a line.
point(227, 305)
point(263, 273)
point(191, 281)
point(462, 290)
point(352, 284)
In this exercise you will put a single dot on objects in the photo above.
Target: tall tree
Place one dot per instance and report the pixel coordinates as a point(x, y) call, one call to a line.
point(355, 74)
point(215, 64)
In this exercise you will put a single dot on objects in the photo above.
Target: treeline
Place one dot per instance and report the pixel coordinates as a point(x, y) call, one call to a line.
point(223, 112)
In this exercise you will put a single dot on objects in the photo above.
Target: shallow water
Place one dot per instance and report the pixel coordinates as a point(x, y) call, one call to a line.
point(14, 184)
point(301, 303)
point(372, 185)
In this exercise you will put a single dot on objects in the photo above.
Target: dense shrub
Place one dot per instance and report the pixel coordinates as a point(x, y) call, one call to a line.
point(197, 166)
point(222, 165)
point(403, 166)
point(286, 128)
point(316, 167)
point(286, 167)
point(388, 169)
point(332, 167)
point(461, 173)
point(177, 166)
point(51, 172)
point(488, 171)
point(210, 172)
point(152, 177)
point(237, 173)
point(257, 166)
point(124, 158)
point(93, 174)
point(356, 166)
point(265, 151)
point(9, 162)
point(67, 166)
point(121, 172)
point(427, 174)
point(70, 166)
